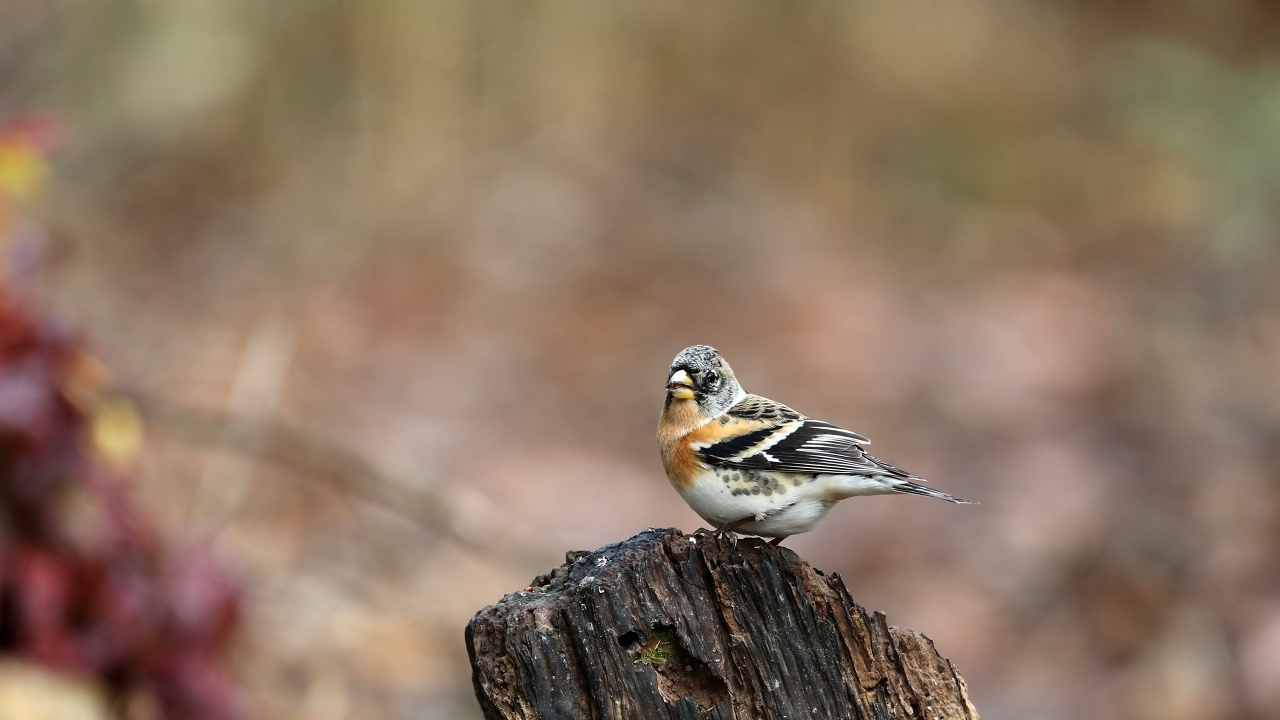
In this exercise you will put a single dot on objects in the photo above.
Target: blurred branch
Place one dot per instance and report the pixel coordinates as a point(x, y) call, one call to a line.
point(255, 394)
point(314, 455)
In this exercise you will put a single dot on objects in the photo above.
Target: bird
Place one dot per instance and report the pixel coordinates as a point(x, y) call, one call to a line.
point(747, 464)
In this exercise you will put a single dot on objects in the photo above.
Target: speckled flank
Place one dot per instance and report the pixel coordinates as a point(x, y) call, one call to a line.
point(750, 482)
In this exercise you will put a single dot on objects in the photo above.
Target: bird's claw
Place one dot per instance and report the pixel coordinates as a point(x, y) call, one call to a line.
point(727, 530)
point(723, 532)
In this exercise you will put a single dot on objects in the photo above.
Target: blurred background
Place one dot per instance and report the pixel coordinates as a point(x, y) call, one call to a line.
point(393, 288)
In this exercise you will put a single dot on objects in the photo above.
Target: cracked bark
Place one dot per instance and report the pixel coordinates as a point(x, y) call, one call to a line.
point(667, 625)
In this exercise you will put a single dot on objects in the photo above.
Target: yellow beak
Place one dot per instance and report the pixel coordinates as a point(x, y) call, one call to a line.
point(680, 385)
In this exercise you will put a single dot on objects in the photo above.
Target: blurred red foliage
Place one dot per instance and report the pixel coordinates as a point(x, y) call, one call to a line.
point(116, 602)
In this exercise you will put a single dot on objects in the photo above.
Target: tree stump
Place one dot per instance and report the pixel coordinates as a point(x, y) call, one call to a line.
point(667, 625)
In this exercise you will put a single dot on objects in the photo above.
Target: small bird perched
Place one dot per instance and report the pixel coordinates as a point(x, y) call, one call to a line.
point(751, 465)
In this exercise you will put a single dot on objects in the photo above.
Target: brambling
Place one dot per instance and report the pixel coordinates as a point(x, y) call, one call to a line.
point(750, 465)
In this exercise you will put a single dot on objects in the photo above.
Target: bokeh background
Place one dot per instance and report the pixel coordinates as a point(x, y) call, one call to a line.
point(1030, 249)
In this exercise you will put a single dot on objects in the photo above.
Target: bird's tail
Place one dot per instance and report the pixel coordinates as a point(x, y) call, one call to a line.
point(906, 486)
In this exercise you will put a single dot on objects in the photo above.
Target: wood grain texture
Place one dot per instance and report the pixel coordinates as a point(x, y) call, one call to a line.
point(667, 625)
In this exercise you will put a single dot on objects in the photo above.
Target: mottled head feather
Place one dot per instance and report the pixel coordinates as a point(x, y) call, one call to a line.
point(714, 386)
point(699, 358)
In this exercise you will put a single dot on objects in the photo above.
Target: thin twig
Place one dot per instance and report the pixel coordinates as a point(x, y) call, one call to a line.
point(314, 455)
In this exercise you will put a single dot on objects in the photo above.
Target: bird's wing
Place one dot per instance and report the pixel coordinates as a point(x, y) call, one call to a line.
point(761, 434)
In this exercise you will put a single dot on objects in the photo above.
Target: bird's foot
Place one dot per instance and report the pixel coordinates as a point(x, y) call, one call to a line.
point(724, 533)
point(778, 540)
point(727, 530)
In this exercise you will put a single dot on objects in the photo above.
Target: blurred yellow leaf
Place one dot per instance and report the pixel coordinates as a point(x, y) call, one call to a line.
point(22, 169)
point(117, 431)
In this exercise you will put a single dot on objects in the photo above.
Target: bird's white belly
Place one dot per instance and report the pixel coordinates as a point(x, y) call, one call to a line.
point(785, 505)
point(800, 517)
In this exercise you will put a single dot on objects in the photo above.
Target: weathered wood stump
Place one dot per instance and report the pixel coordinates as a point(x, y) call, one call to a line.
point(667, 625)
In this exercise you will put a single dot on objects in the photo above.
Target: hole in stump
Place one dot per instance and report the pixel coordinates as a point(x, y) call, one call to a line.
point(679, 673)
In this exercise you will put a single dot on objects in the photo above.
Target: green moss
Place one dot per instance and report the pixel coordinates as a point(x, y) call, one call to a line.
point(663, 646)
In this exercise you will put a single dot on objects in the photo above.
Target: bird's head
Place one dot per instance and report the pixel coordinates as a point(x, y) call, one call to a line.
point(700, 375)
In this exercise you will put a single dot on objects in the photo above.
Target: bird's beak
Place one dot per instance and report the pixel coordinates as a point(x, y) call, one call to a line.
point(680, 386)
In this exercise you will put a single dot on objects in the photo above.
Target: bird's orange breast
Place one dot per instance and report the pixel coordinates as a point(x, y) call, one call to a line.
point(680, 419)
point(682, 427)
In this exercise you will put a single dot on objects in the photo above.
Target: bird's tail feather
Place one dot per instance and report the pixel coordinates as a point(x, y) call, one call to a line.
point(914, 489)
